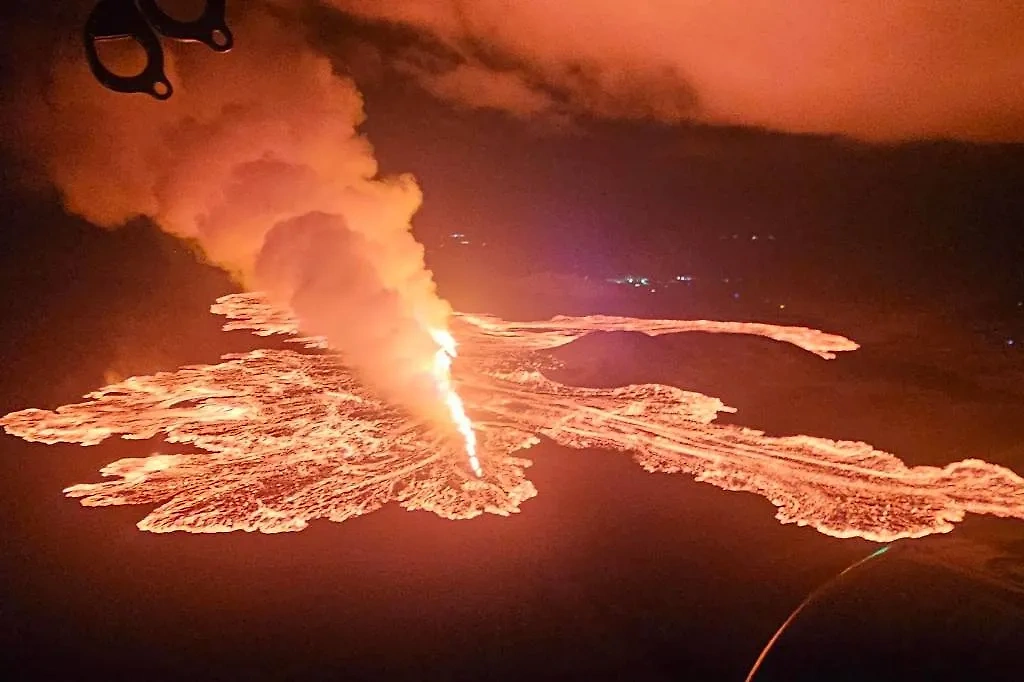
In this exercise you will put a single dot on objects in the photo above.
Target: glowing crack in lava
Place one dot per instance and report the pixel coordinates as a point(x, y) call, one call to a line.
point(271, 439)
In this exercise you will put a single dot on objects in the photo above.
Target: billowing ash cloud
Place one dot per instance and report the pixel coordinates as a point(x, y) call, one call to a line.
point(870, 69)
point(258, 161)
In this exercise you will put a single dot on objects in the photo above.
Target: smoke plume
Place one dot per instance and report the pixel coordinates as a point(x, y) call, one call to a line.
point(256, 160)
point(871, 69)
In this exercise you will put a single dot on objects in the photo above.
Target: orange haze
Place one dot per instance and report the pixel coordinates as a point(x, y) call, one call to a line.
point(257, 160)
point(880, 70)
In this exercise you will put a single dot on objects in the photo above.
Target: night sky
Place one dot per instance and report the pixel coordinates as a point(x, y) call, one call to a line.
point(897, 223)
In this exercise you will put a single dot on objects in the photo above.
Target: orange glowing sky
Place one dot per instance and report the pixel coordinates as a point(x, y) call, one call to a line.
point(869, 69)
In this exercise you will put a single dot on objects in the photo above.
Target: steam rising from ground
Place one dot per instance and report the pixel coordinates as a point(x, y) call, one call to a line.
point(256, 160)
point(271, 439)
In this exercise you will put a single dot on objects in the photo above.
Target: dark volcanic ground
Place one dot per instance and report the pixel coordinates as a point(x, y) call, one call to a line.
point(611, 573)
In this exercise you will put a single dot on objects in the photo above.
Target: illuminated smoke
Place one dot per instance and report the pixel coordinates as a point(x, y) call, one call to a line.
point(871, 70)
point(258, 161)
point(272, 439)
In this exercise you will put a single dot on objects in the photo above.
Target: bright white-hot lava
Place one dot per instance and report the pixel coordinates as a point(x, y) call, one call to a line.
point(271, 439)
point(446, 353)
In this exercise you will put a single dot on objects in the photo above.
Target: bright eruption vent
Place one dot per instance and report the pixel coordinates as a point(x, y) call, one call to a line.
point(271, 439)
point(443, 373)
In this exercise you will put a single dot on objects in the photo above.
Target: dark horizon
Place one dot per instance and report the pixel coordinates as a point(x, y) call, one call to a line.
point(897, 221)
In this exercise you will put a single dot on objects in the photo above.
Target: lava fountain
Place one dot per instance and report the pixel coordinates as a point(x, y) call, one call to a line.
point(446, 354)
point(271, 439)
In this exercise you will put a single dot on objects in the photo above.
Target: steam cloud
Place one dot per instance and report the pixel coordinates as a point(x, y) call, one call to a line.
point(871, 69)
point(257, 158)
point(258, 161)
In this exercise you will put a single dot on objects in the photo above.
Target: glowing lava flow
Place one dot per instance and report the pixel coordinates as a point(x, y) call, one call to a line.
point(271, 439)
point(446, 353)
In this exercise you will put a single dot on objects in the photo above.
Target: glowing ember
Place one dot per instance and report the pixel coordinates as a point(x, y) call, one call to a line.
point(443, 374)
point(276, 438)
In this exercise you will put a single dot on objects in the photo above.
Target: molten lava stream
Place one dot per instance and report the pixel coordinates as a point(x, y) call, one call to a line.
point(271, 439)
point(446, 353)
